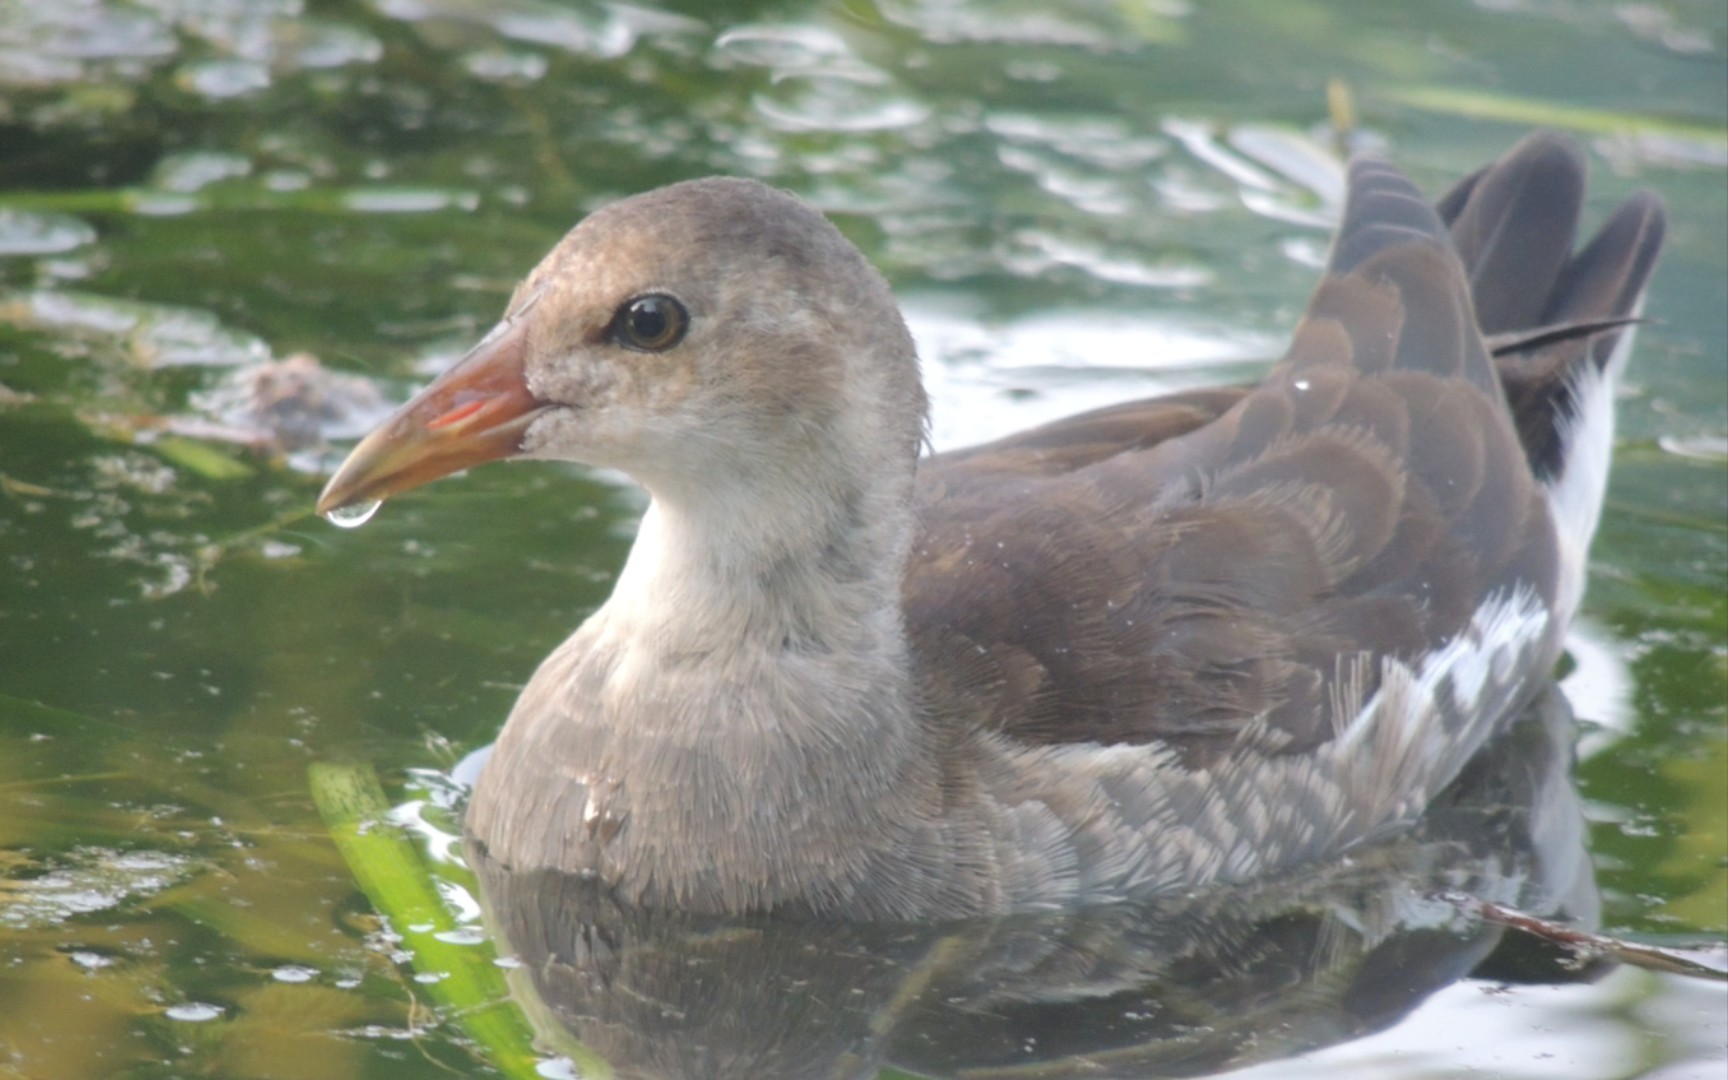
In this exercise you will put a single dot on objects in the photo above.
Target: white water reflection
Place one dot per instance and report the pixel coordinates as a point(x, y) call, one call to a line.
point(782, 46)
point(1278, 174)
point(985, 381)
point(1599, 686)
point(192, 171)
point(1036, 252)
point(1099, 28)
point(1570, 1032)
point(1104, 142)
point(83, 881)
point(149, 335)
point(47, 44)
point(586, 30)
point(827, 102)
point(28, 232)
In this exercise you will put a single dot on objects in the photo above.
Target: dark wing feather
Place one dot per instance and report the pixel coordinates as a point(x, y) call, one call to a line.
point(1174, 570)
point(1077, 441)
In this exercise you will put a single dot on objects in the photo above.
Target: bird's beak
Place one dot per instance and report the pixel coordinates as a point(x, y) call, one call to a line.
point(475, 412)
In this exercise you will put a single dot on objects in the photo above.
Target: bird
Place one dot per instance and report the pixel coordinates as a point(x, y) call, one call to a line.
point(1169, 644)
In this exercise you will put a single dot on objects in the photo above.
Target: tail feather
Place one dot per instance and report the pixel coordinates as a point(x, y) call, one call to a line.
point(1514, 229)
point(1607, 278)
point(1382, 210)
point(1572, 316)
point(1514, 224)
point(1390, 235)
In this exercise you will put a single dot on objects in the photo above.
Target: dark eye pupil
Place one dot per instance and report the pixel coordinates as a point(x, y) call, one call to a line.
point(647, 320)
point(650, 323)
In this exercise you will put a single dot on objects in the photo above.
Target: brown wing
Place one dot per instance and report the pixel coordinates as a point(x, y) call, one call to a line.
point(1174, 569)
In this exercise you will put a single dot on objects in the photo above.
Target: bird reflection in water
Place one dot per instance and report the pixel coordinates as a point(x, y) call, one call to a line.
point(1220, 978)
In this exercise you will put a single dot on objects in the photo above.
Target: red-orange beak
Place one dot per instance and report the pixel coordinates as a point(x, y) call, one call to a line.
point(475, 412)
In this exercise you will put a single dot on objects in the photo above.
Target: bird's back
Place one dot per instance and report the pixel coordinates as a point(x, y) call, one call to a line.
point(1315, 598)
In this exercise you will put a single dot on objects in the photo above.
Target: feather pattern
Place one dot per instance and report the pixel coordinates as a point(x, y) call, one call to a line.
point(1200, 638)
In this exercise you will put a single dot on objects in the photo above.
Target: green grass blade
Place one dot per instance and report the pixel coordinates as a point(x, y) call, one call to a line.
point(391, 871)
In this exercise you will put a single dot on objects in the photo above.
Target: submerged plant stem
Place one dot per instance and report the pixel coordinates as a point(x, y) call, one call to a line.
point(390, 870)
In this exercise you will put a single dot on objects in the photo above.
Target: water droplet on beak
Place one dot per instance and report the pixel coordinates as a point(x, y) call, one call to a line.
point(355, 515)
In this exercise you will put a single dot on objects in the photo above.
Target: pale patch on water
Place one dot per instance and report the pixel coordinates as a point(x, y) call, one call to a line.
point(1101, 28)
point(505, 66)
point(82, 881)
point(1077, 183)
point(848, 103)
point(1102, 142)
point(91, 961)
point(988, 381)
point(46, 43)
point(29, 232)
point(1036, 253)
point(1296, 160)
point(1699, 447)
point(133, 470)
point(782, 47)
point(149, 335)
point(817, 84)
point(408, 200)
point(191, 171)
point(1278, 174)
point(1599, 686)
point(467, 935)
point(218, 79)
point(590, 30)
point(1568, 1032)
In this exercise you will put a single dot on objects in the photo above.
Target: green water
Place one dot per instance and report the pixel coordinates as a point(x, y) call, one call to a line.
point(1079, 202)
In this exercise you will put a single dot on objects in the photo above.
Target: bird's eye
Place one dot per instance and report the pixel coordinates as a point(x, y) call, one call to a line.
point(652, 323)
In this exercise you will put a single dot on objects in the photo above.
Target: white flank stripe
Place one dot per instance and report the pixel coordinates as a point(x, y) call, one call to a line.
point(1587, 445)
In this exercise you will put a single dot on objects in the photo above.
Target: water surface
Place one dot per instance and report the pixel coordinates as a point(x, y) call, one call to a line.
point(232, 232)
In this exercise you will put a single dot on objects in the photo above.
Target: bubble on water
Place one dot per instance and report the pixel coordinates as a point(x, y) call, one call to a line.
point(355, 515)
point(194, 1012)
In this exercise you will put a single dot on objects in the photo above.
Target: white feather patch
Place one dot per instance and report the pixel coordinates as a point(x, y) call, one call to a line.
point(1576, 493)
point(1408, 742)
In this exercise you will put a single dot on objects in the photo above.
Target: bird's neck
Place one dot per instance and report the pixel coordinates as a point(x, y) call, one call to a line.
point(719, 569)
point(758, 620)
point(741, 707)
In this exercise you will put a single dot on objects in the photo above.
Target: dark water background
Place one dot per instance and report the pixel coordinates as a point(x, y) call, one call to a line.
point(1078, 203)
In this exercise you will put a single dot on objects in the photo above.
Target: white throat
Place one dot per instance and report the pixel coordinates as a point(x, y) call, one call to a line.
point(791, 562)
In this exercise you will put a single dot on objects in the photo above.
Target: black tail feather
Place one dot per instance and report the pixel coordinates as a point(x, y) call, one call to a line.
point(1543, 308)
